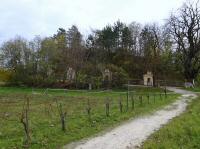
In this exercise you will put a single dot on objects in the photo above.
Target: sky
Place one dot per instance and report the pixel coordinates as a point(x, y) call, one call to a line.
point(28, 18)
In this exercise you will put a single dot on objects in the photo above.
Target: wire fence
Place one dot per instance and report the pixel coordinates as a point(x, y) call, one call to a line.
point(88, 106)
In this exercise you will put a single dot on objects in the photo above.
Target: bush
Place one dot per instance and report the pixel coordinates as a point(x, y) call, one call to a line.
point(5, 75)
point(119, 75)
point(89, 74)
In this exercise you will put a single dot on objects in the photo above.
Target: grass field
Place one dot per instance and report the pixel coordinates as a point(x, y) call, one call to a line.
point(44, 118)
point(182, 132)
point(195, 89)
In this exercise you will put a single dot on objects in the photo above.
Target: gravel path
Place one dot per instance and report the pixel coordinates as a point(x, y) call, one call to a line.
point(132, 134)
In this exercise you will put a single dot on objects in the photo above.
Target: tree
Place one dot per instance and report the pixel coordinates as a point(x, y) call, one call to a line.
point(135, 29)
point(184, 27)
point(132, 48)
point(105, 42)
point(150, 44)
point(15, 52)
point(17, 57)
point(76, 49)
point(76, 53)
point(48, 59)
point(62, 54)
point(35, 46)
point(74, 38)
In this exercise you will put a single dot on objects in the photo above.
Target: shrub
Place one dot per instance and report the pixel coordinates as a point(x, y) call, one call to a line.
point(119, 75)
point(89, 74)
point(5, 75)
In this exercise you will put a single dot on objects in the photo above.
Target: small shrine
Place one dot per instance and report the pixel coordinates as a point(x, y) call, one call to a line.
point(148, 78)
point(71, 74)
point(107, 75)
point(107, 78)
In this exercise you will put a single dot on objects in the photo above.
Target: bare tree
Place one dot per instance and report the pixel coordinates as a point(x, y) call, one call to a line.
point(185, 29)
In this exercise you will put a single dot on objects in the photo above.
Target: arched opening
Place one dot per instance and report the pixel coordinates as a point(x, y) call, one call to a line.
point(148, 81)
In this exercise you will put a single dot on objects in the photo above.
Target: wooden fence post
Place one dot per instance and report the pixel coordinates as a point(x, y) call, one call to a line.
point(133, 102)
point(62, 115)
point(140, 97)
point(120, 105)
point(165, 92)
point(88, 109)
point(127, 101)
point(107, 108)
point(25, 121)
point(148, 98)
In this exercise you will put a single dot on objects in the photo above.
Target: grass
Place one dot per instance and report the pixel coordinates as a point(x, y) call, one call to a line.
point(195, 89)
point(44, 118)
point(182, 132)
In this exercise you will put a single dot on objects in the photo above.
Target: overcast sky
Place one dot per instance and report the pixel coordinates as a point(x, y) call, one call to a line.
point(28, 18)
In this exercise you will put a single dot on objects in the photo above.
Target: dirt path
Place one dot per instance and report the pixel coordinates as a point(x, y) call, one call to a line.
point(132, 134)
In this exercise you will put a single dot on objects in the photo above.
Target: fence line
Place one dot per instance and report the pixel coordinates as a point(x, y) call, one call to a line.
point(126, 102)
